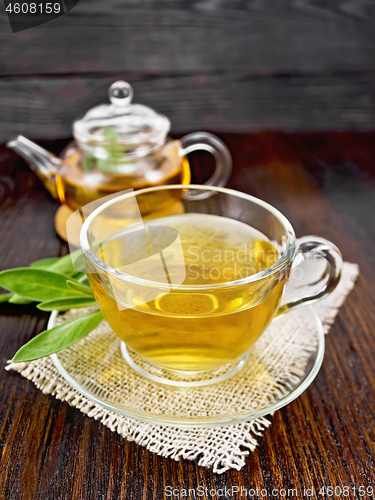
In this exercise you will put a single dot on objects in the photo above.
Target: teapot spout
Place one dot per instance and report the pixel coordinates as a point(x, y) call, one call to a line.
point(41, 161)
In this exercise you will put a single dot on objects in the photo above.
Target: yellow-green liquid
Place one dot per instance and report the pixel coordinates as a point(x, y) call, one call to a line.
point(77, 187)
point(194, 329)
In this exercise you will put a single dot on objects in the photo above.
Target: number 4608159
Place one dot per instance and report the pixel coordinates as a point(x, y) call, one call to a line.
point(33, 8)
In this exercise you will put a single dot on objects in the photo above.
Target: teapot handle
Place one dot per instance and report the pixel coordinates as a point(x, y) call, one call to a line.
point(203, 141)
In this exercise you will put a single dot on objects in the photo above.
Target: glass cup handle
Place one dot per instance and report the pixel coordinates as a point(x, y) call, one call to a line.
point(324, 273)
point(203, 141)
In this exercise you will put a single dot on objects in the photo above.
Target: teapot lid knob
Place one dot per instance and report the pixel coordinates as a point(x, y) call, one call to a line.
point(140, 129)
point(120, 93)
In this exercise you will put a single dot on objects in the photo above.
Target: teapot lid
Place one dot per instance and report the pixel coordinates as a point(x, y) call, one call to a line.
point(138, 128)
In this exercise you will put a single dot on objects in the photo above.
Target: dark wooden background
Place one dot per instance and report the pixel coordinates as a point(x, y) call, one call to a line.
point(222, 65)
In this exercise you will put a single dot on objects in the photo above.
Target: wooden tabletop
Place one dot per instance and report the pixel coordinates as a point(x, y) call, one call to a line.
point(325, 185)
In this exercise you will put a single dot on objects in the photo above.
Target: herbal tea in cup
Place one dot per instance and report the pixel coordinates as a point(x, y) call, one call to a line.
point(192, 292)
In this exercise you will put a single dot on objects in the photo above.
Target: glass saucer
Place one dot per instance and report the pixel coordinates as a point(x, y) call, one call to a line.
point(279, 367)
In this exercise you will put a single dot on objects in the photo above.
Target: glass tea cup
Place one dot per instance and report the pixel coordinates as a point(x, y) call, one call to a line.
point(189, 277)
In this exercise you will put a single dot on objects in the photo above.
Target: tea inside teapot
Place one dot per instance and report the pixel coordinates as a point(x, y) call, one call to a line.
point(83, 178)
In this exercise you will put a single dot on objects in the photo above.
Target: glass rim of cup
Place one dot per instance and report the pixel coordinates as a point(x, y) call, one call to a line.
point(283, 261)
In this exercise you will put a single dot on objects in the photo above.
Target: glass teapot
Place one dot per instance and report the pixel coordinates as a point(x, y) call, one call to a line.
point(119, 146)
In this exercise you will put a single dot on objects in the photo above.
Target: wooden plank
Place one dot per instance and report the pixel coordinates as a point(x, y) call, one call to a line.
point(201, 35)
point(44, 107)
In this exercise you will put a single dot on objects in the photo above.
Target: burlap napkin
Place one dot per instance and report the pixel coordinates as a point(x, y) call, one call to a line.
point(221, 448)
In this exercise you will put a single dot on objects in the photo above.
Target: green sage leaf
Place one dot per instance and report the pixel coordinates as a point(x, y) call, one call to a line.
point(78, 276)
point(80, 287)
point(66, 303)
point(89, 161)
point(5, 297)
point(36, 284)
point(111, 134)
point(44, 263)
point(18, 299)
point(58, 338)
point(64, 265)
